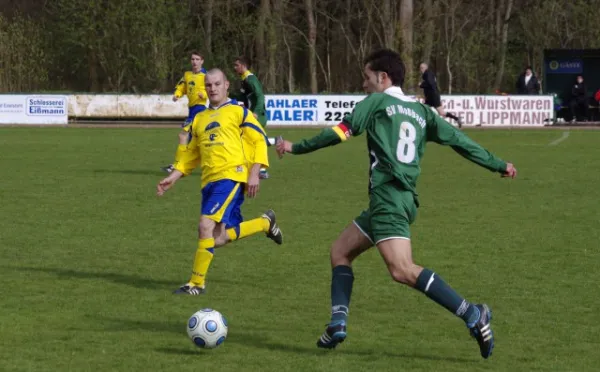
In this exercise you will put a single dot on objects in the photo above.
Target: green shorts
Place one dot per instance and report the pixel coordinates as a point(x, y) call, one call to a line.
point(391, 211)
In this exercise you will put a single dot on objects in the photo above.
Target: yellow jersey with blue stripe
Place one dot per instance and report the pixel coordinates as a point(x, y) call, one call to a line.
point(191, 84)
point(226, 141)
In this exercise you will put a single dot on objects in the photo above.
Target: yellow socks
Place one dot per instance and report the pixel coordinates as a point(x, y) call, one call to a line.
point(204, 256)
point(204, 253)
point(248, 228)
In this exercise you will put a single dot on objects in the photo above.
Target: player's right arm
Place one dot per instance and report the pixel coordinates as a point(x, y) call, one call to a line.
point(187, 156)
point(443, 133)
point(180, 89)
point(352, 125)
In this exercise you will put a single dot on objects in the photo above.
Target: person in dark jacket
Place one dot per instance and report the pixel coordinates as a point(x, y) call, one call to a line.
point(579, 99)
point(528, 83)
point(432, 93)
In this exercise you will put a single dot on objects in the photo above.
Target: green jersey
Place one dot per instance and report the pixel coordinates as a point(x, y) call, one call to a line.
point(251, 94)
point(397, 128)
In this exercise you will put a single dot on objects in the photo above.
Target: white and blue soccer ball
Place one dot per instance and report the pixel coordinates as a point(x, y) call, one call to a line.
point(207, 328)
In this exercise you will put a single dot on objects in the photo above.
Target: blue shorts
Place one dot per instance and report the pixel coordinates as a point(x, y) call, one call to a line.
point(192, 112)
point(222, 202)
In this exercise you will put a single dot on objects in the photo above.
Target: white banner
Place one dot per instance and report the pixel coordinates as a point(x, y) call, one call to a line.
point(501, 110)
point(303, 110)
point(33, 109)
point(485, 110)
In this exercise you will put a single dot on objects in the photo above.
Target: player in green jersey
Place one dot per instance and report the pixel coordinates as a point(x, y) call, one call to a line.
point(252, 96)
point(397, 129)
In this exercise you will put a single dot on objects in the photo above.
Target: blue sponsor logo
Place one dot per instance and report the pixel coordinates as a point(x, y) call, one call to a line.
point(46, 106)
point(212, 125)
point(291, 109)
point(572, 66)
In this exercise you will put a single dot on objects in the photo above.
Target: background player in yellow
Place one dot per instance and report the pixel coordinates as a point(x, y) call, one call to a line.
point(191, 85)
point(219, 135)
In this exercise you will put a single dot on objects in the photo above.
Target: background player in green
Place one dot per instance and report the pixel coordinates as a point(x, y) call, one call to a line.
point(397, 129)
point(252, 96)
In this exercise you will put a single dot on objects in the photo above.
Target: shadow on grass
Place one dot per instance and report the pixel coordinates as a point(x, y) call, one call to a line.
point(253, 339)
point(109, 324)
point(174, 351)
point(145, 172)
point(256, 338)
point(129, 280)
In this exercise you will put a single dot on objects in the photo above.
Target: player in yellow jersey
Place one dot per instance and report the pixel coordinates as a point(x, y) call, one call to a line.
point(191, 85)
point(230, 146)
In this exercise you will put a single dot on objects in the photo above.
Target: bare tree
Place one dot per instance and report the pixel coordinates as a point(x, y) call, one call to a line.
point(387, 15)
point(406, 24)
point(208, 20)
point(428, 31)
point(505, 8)
point(260, 49)
point(312, 44)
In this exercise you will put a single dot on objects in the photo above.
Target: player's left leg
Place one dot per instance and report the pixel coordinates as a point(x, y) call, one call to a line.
point(351, 243)
point(216, 198)
point(392, 213)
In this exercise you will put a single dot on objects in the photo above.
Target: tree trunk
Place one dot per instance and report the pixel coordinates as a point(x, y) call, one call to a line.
point(273, 42)
point(347, 83)
point(448, 35)
point(502, 49)
point(208, 20)
point(498, 22)
point(406, 22)
point(260, 49)
point(428, 29)
point(388, 24)
point(290, 79)
point(312, 43)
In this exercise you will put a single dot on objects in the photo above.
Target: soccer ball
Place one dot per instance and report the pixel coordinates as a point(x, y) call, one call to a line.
point(207, 328)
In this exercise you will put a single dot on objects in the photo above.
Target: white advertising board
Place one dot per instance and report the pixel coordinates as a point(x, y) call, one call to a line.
point(485, 110)
point(308, 110)
point(33, 109)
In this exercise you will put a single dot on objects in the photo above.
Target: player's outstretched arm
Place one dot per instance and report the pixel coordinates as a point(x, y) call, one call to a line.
point(166, 183)
point(180, 89)
point(187, 157)
point(327, 137)
point(442, 132)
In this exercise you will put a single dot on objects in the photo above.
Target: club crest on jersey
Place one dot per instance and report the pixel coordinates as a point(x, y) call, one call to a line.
point(239, 169)
point(212, 136)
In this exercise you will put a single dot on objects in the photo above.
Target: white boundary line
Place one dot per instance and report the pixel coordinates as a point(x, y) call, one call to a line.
point(564, 136)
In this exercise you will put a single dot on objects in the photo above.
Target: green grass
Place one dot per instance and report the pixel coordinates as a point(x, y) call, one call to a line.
point(89, 256)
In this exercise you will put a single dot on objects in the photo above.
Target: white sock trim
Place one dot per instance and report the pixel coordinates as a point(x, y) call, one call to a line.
point(431, 279)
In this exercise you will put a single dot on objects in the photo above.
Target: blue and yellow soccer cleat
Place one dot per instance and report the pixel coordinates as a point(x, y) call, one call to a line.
point(274, 232)
point(188, 289)
point(334, 334)
point(482, 331)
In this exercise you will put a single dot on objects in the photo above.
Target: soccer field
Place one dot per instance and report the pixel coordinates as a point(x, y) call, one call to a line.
point(89, 257)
